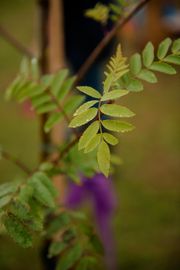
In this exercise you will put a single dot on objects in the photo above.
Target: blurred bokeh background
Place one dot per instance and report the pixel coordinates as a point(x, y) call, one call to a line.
point(147, 221)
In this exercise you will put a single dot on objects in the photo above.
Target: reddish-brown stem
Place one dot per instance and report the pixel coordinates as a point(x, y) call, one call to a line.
point(15, 43)
point(15, 161)
point(104, 42)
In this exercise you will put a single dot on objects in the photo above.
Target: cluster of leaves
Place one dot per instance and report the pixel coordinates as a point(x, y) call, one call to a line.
point(23, 206)
point(30, 208)
point(75, 242)
point(102, 13)
point(94, 135)
point(121, 78)
point(142, 66)
point(48, 93)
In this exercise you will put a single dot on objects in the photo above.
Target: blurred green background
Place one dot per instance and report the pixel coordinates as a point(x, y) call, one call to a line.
point(147, 221)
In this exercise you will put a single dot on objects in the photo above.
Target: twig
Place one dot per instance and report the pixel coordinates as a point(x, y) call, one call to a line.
point(93, 56)
point(15, 43)
point(15, 161)
point(61, 110)
point(104, 42)
point(65, 150)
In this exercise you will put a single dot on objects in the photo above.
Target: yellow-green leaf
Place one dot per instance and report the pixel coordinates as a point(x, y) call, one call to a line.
point(109, 138)
point(52, 120)
point(148, 54)
point(94, 142)
point(173, 59)
point(114, 94)
point(176, 46)
point(135, 64)
point(103, 158)
point(83, 118)
point(163, 48)
point(117, 125)
point(90, 91)
point(163, 67)
point(85, 106)
point(147, 76)
point(88, 134)
point(116, 110)
point(70, 257)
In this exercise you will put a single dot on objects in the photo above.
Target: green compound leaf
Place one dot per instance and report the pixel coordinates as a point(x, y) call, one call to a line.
point(88, 134)
point(99, 13)
point(17, 231)
point(5, 200)
point(20, 211)
point(24, 214)
point(109, 138)
point(114, 94)
point(52, 120)
point(65, 88)
point(176, 46)
point(94, 142)
point(44, 179)
point(148, 54)
point(56, 248)
point(41, 192)
point(163, 48)
point(25, 194)
point(37, 101)
point(163, 67)
point(70, 257)
point(135, 64)
point(85, 106)
point(172, 59)
point(86, 263)
point(35, 72)
point(116, 68)
point(90, 91)
point(58, 223)
point(8, 188)
point(24, 69)
point(147, 76)
point(133, 85)
point(72, 103)
point(103, 158)
point(117, 125)
point(58, 80)
point(83, 118)
point(116, 110)
point(45, 108)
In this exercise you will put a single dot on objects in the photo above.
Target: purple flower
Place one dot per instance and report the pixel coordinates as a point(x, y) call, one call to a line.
point(98, 190)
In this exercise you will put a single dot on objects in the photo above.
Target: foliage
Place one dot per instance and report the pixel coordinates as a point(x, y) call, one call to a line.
point(25, 205)
point(120, 79)
point(102, 13)
point(75, 240)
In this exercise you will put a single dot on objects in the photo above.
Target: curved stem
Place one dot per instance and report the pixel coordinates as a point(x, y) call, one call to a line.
point(104, 42)
point(15, 161)
point(15, 43)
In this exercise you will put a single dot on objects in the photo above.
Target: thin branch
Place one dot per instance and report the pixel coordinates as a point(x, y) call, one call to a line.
point(93, 56)
point(65, 150)
point(15, 161)
point(104, 42)
point(15, 43)
point(61, 110)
